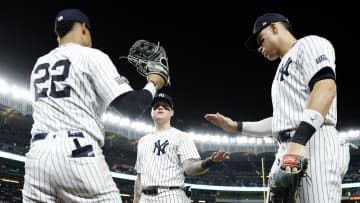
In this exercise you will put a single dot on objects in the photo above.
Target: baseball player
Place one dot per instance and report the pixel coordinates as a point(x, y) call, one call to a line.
point(72, 86)
point(164, 155)
point(304, 108)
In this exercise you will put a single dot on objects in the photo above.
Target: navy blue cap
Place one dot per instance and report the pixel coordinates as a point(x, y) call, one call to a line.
point(72, 15)
point(163, 97)
point(262, 22)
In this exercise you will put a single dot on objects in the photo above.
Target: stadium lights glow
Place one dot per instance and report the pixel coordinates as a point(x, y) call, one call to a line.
point(9, 180)
point(23, 94)
point(125, 195)
point(14, 91)
point(268, 140)
point(140, 126)
point(20, 93)
point(232, 140)
point(350, 134)
point(20, 158)
point(4, 87)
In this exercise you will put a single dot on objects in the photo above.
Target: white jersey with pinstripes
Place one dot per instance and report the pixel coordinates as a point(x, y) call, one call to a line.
point(72, 86)
point(160, 155)
point(290, 88)
point(328, 153)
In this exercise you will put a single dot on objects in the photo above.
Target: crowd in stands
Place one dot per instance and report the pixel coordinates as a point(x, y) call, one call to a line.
point(14, 139)
point(10, 193)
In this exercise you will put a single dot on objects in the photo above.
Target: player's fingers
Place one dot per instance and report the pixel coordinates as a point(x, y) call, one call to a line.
point(220, 155)
point(294, 169)
point(288, 169)
point(220, 116)
point(223, 155)
point(226, 155)
point(214, 120)
point(210, 117)
point(213, 155)
point(125, 79)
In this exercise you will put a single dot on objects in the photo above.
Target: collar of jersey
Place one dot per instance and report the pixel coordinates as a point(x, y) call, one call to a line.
point(68, 44)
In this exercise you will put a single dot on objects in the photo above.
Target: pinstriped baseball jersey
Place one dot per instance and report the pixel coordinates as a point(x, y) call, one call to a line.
point(290, 89)
point(71, 87)
point(160, 155)
point(328, 154)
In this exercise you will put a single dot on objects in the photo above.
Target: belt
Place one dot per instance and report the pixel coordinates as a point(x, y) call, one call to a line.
point(41, 136)
point(154, 190)
point(284, 136)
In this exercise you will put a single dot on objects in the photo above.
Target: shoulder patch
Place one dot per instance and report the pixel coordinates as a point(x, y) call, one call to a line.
point(321, 59)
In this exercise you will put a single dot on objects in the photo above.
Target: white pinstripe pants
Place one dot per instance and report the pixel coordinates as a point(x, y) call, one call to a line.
point(52, 175)
point(329, 158)
point(166, 196)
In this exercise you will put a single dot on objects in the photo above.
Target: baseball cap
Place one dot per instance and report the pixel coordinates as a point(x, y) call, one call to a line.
point(72, 15)
point(163, 97)
point(262, 22)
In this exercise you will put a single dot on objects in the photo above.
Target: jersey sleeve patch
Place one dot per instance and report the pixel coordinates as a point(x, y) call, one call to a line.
point(321, 58)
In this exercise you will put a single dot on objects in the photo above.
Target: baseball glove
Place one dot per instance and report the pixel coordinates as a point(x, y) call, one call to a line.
point(149, 58)
point(284, 185)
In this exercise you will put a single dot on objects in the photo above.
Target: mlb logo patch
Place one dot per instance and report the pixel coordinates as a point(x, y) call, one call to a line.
point(60, 18)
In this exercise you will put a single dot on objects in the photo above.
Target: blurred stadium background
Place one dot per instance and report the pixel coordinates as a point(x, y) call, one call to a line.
point(241, 179)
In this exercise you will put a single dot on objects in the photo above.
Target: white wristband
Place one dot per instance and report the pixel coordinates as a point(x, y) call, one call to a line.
point(150, 86)
point(313, 118)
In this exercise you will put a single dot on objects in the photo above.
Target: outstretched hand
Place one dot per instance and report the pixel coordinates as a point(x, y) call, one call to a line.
point(222, 121)
point(220, 156)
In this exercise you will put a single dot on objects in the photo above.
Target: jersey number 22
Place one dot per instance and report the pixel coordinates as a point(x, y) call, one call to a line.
point(65, 92)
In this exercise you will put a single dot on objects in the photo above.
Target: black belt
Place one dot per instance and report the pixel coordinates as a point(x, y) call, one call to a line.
point(284, 136)
point(41, 136)
point(154, 190)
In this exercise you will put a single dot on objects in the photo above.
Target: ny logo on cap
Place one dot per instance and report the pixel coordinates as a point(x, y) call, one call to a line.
point(161, 95)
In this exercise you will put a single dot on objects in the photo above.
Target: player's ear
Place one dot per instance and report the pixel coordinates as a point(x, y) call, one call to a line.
point(83, 28)
point(274, 27)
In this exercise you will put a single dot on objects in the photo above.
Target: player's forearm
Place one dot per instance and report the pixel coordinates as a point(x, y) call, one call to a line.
point(193, 167)
point(314, 115)
point(322, 96)
point(258, 128)
point(137, 189)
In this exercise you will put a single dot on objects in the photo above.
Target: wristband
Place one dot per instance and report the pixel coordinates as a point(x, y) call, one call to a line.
point(313, 118)
point(303, 133)
point(151, 87)
point(311, 122)
point(239, 126)
point(207, 163)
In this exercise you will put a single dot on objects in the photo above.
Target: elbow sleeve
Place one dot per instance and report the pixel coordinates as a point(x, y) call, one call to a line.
point(133, 103)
